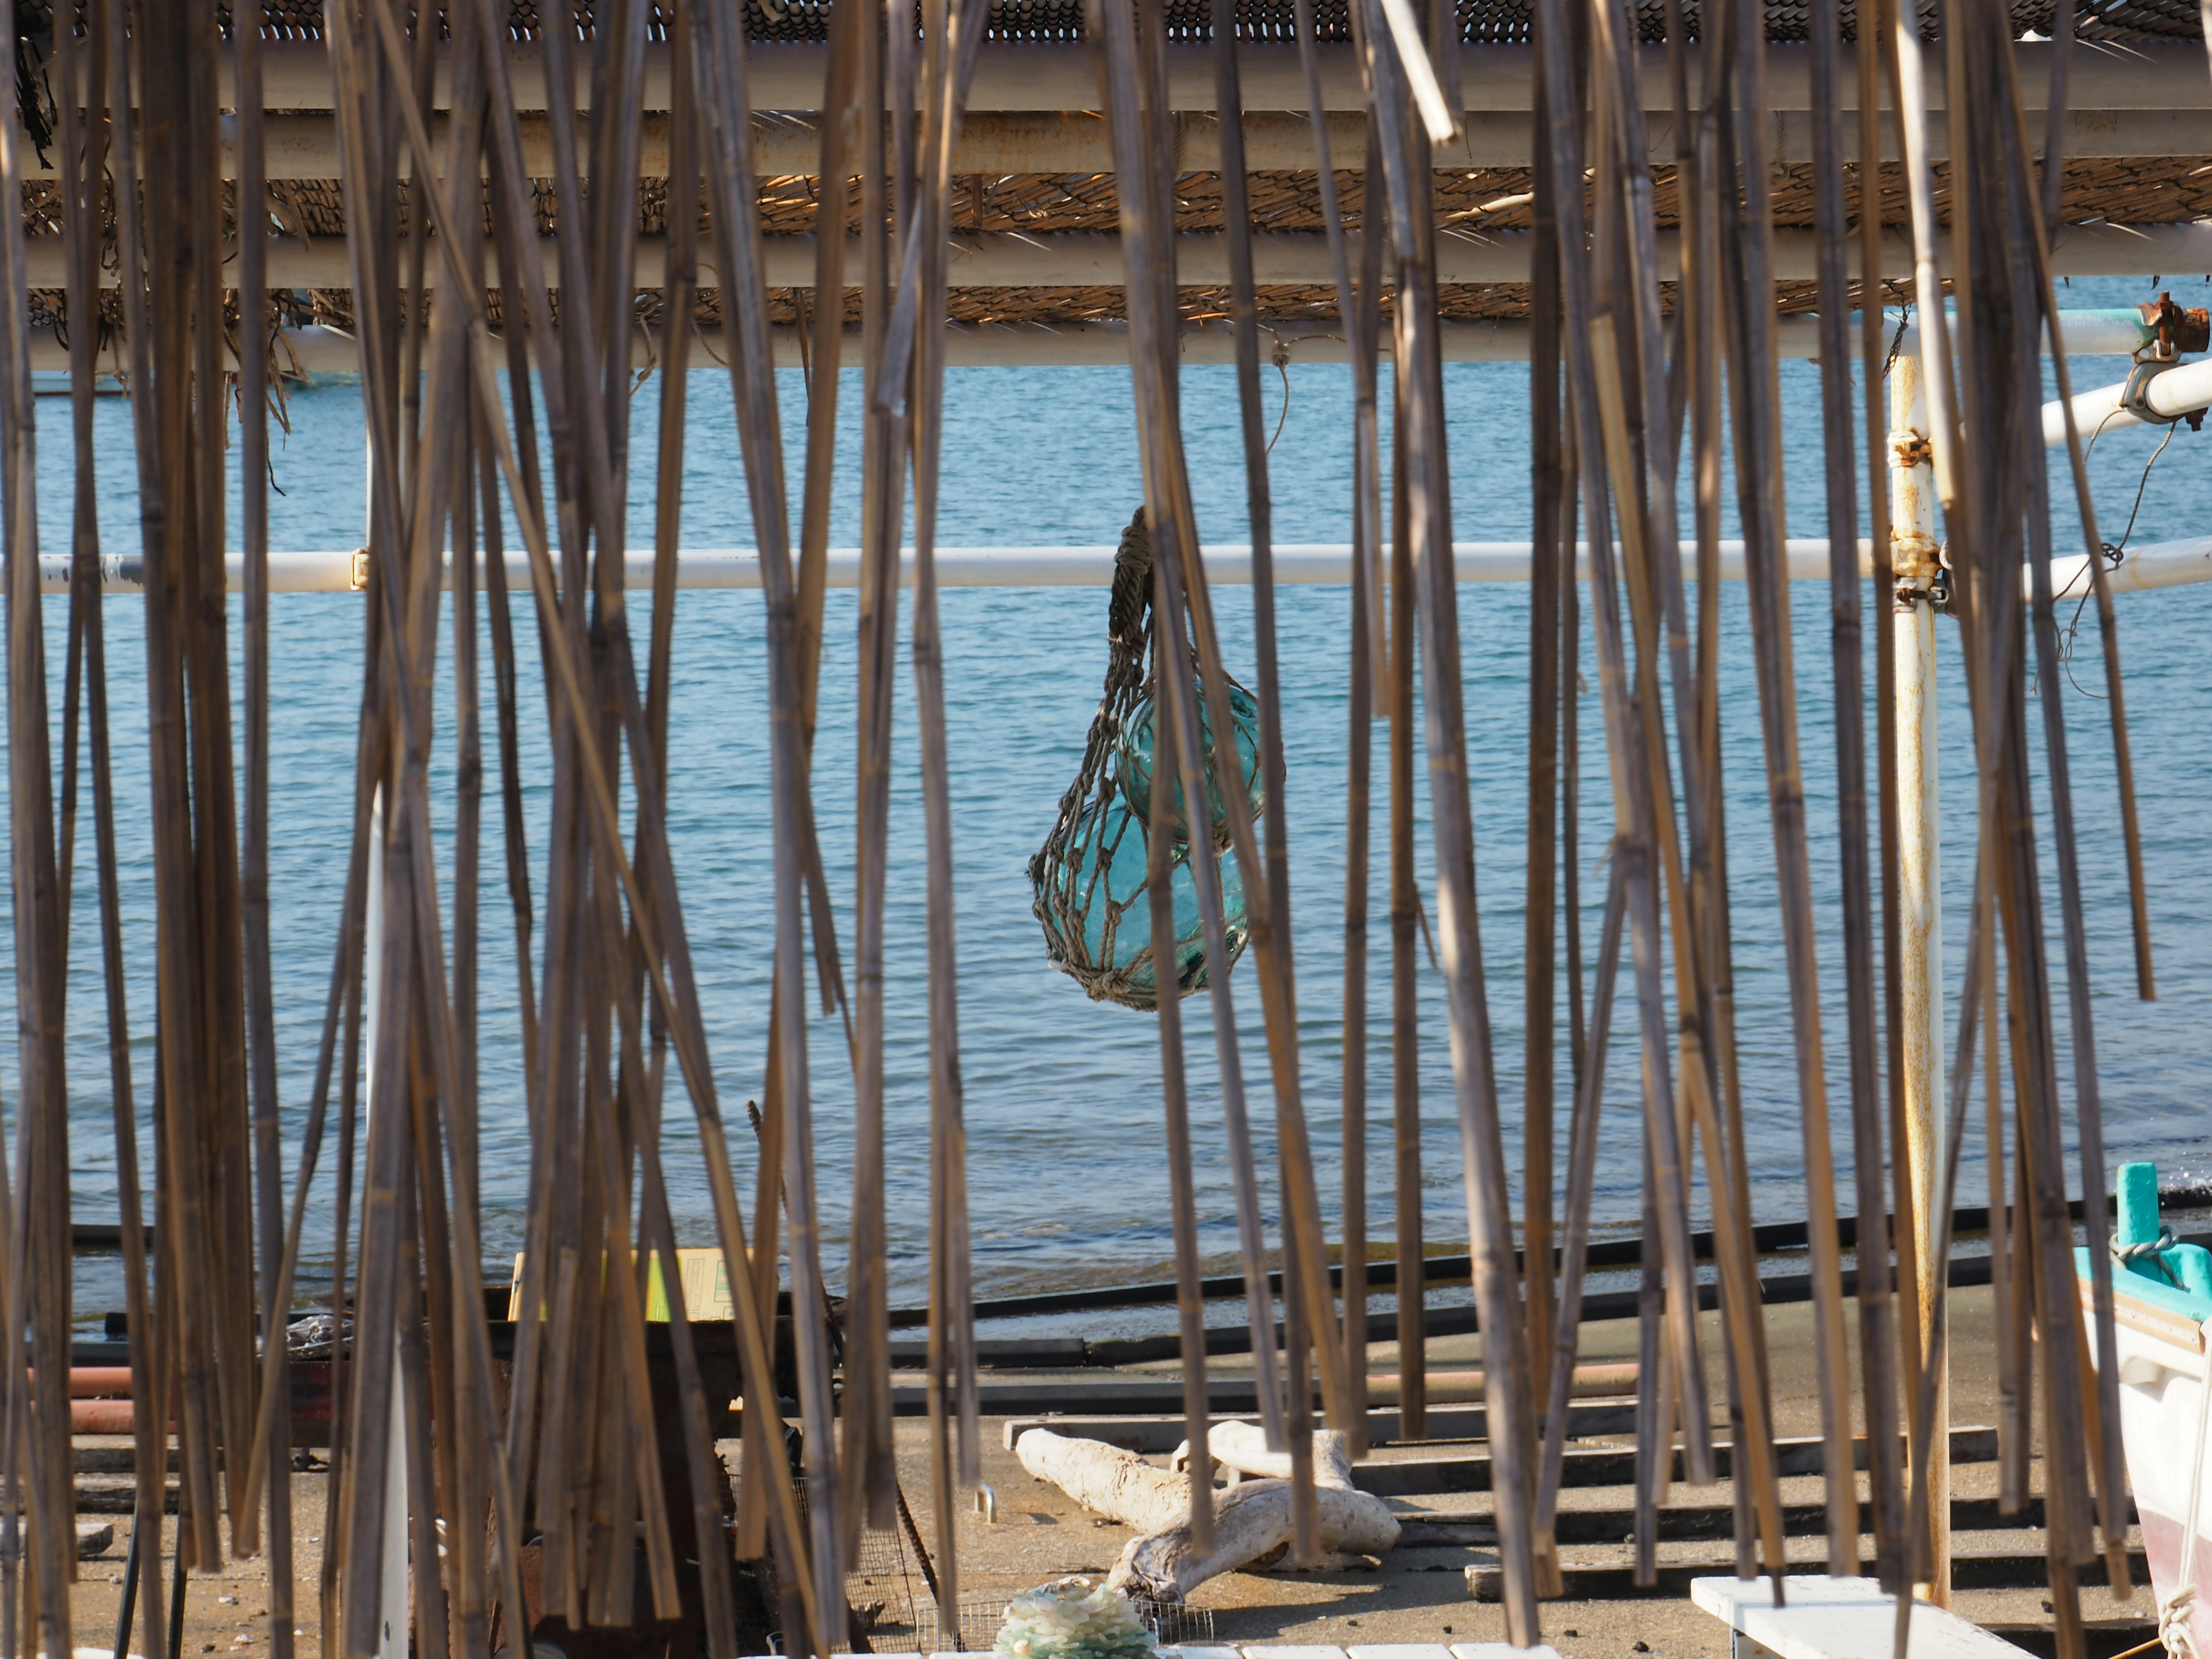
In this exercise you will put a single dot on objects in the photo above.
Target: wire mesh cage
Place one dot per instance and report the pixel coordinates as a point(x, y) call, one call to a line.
point(881, 1592)
point(1175, 1623)
point(886, 1599)
point(983, 1611)
point(1091, 881)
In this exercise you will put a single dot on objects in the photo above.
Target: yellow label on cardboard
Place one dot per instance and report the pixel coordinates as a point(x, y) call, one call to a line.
point(704, 1275)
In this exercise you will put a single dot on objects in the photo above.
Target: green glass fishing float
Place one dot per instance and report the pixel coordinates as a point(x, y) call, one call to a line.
point(1090, 881)
point(1137, 764)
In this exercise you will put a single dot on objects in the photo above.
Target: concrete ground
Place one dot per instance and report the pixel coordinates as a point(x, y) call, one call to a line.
point(1413, 1594)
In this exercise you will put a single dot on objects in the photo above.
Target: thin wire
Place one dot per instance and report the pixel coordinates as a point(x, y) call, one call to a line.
point(2111, 551)
point(1282, 361)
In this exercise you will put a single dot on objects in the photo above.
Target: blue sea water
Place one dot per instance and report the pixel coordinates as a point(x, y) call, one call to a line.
point(1065, 1180)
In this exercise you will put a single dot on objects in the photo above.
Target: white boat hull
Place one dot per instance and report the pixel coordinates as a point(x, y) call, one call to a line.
point(2162, 1383)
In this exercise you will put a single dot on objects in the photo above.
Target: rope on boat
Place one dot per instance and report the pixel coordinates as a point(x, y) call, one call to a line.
point(2176, 1607)
point(2125, 1253)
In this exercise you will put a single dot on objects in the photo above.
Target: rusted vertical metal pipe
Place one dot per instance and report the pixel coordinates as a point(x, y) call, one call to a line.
point(1913, 554)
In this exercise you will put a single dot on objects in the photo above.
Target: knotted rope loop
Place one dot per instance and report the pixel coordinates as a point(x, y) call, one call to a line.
point(2173, 1630)
point(2126, 1253)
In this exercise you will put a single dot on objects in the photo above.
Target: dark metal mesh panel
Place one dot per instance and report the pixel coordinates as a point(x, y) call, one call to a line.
point(1482, 23)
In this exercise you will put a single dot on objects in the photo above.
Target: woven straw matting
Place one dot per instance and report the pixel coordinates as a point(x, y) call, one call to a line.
point(2139, 189)
point(1503, 22)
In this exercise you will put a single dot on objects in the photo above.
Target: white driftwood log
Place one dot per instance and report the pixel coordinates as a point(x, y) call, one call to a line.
point(1105, 1479)
point(1243, 1446)
point(1251, 1522)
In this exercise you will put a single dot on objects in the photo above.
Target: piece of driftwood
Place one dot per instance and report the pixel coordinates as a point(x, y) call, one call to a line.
point(1242, 1448)
point(1251, 1522)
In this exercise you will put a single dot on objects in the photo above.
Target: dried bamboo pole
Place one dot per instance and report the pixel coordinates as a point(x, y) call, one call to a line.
point(422, 608)
point(1695, 377)
point(708, 1508)
point(1847, 652)
point(343, 994)
point(101, 66)
point(1902, 59)
point(1655, 1411)
point(852, 43)
point(22, 1519)
point(821, 365)
point(412, 299)
point(1880, 1358)
point(341, 1006)
point(432, 1635)
point(660, 927)
point(1405, 993)
point(220, 1100)
point(871, 1480)
point(954, 36)
point(1511, 1414)
point(1883, 1357)
point(630, 712)
point(82, 122)
point(1368, 653)
point(1582, 1178)
point(378, 1402)
point(463, 1448)
point(1636, 832)
point(1307, 1315)
point(1358, 821)
point(150, 1430)
point(2111, 1471)
point(1980, 948)
point(723, 98)
point(1540, 917)
point(678, 300)
point(355, 998)
point(1175, 1095)
point(1759, 487)
point(39, 1275)
point(658, 1229)
point(2028, 263)
point(2003, 1291)
point(1304, 1250)
point(855, 60)
point(522, 286)
point(1994, 316)
point(427, 521)
point(169, 526)
point(1170, 521)
point(260, 1000)
point(1651, 557)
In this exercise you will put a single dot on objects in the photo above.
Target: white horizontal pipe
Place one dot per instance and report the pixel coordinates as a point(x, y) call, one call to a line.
point(2169, 394)
point(320, 350)
point(2165, 564)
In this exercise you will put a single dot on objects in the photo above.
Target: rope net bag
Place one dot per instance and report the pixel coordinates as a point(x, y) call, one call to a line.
point(1090, 878)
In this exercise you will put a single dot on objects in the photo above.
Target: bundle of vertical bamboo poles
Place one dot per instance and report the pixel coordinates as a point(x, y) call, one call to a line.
point(441, 1459)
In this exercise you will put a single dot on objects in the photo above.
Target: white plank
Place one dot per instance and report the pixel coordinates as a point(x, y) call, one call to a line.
point(1401, 1650)
point(1502, 1650)
point(1841, 1619)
